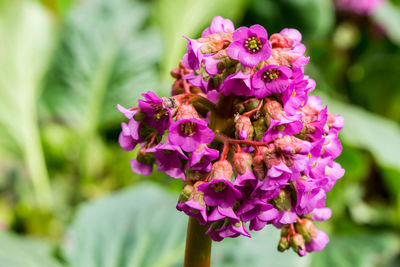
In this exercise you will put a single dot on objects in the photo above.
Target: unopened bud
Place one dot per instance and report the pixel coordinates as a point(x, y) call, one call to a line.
point(242, 162)
point(244, 128)
point(258, 166)
point(239, 108)
point(297, 243)
point(283, 244)
point(278, 40)
point(304, 228)
point(221, 170)
point(251, 104)
point(274, 110)
point(186, 111)
point(260, 128)
point(186, 193)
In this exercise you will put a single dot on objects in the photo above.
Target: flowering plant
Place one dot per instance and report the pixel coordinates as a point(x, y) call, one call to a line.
point(241, 130)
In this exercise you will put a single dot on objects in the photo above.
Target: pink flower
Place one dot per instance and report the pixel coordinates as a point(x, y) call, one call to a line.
point(238, 84)
point(189, 134)
point(250, 45)
point(270, 80)
point(219, 24)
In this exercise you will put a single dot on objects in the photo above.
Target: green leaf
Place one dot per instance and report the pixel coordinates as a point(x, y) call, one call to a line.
point(388, 15)
point(106, 56)
point(188, 18)
point(16, 251)
point(25, 46)
point(135, 227)
point(358, 251)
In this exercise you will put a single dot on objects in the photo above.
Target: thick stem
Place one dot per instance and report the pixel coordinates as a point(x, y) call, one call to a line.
point(198, 245)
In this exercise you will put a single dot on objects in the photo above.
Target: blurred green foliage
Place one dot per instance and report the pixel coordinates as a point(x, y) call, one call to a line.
point(65, 65)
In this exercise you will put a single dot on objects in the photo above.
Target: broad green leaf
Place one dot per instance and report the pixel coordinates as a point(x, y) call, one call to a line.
point(136, 227)
point(106, 56)
point(388, 15)
point(16, 251)
point(188, 18)
point(25, 46)
point(366, 250)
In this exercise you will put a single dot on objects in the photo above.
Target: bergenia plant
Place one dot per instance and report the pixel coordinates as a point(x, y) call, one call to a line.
point(252, 147)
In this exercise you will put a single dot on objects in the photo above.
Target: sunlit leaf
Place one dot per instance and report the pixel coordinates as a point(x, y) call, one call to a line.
point(105, 57)
point(135, 227)
point(25, 46)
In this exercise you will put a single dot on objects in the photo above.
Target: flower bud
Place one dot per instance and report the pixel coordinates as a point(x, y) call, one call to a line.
point(260, 128)
point(251, 104)
point(278, 40)
point(283, 244)
point(186, 111)
point(297, 243)
point(244, 128)
point(186, 193)
point(242, 162)
point(273, 110)
point(221, 170)
point(305, 228)
point(258, 166)
point(239, 108)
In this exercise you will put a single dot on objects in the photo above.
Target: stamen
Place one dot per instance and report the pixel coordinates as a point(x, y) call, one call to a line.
point(253, 44)
point(270, 75)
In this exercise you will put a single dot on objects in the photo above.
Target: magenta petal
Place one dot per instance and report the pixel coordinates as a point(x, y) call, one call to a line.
point(319, 242)
point(321, 214)
point(141, 168)
point(127, 112)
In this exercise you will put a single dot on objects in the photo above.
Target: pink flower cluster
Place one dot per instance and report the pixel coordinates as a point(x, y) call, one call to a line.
point(240, 129)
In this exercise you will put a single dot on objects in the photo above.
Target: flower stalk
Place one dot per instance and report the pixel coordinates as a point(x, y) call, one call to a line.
point(198, 245)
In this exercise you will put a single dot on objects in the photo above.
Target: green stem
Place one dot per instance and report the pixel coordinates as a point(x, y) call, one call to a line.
point(198, 245)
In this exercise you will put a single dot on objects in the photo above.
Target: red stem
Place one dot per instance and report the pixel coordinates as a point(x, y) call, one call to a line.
point(225, 150)
point(223, 138)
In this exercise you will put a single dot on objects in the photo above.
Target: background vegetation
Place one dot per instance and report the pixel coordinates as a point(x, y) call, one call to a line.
point(67, 194)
